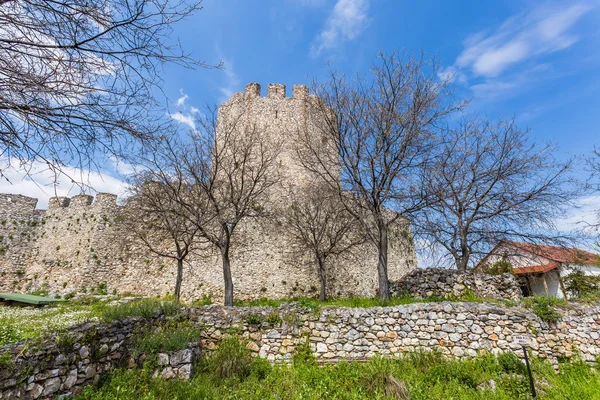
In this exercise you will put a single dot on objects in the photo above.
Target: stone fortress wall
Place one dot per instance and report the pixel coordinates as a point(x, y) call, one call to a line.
point(81, 242)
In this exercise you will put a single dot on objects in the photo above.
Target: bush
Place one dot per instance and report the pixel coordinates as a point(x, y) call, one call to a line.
point(510, 363)
point(579, 284)
point(544, 307)
point(231, 359)
point(304, 354)
point(498, 268)
point(260, 368)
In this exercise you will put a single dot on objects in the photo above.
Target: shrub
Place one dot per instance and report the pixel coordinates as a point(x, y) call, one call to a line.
point(304, 354)
point(544, 307)
point(510, 363)
point(497, 268)
point(260, 368)
point(580, 285)
point(231, 359)
point(254, 319)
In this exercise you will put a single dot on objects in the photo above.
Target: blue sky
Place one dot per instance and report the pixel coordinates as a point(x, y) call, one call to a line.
point(538, 61)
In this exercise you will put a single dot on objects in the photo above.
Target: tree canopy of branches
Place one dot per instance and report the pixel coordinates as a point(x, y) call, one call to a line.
point(595, 166)
point(487, 183)
point(381, 127)
point(319, 223)
point(159, 221)
point(78, 78)
point(226, 172)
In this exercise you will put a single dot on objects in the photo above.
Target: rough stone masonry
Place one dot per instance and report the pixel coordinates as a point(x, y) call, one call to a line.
point(79, 243)
point(458, 330)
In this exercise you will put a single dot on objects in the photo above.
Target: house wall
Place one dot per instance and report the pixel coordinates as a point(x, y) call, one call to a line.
point(517, 257)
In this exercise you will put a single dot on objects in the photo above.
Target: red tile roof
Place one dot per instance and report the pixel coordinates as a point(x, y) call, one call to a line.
point(535, 268)
point(558, 254)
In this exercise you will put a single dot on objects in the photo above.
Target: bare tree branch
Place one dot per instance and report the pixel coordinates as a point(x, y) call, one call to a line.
point(79, 79)
point(319, 223)
point(489, 183)
point(217, 176)
point(382, 128)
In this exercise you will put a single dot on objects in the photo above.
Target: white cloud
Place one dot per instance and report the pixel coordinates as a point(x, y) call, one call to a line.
point(36, 180)
point(121, 167)
point(520, 38)
point(346, 22)
point(194, 110)
point(185, 119)
point(452, 74)
point(583, 216)
point(182, 99)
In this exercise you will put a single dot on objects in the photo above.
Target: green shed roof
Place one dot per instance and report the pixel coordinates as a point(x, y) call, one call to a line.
point(27, 298)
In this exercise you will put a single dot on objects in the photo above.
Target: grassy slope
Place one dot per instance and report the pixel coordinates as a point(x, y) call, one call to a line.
point(426, 376)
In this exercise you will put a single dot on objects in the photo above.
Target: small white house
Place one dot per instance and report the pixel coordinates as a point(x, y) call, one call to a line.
point(541, 268)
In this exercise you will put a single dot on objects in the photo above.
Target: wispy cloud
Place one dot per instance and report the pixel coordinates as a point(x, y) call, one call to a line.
point(232, 81)
point(181, 100)
point(347, 20)
point(502, 62)
point(185, 119)
point(185, 113)
point(520, 38)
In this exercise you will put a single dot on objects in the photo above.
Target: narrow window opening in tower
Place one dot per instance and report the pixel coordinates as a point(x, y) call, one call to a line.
point(275, 113)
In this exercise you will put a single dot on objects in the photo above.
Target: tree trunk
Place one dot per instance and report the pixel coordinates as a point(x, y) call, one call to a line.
point(322, 279)
point(227, 275)
point(178, 280)
point(384, 289)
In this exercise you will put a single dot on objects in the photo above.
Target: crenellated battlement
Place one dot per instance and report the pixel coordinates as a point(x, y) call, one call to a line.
point(16, 203)
point(102, 200)
point(274, 91)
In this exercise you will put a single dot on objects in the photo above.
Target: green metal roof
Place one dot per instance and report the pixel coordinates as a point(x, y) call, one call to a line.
point(28, 298)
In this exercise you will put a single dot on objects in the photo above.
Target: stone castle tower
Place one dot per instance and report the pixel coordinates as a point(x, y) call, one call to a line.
point(282, 121)
point(80, 243)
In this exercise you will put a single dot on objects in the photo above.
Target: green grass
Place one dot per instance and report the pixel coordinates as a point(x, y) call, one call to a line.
point(355, 302)
point(545, 307)
point(230, 373)
point(26, 323)
point(168, 337)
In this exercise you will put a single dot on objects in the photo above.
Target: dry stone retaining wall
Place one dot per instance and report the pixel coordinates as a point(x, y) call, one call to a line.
point(449, 283)
point(61, 368)
point(456, 329)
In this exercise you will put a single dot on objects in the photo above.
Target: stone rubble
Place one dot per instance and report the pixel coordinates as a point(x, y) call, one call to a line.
point(449, 283)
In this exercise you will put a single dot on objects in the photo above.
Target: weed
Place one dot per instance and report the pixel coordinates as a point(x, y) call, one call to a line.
point(146, 308)
point(169, 337)
point(6, 360)
point(544, 307)
point(231, 359)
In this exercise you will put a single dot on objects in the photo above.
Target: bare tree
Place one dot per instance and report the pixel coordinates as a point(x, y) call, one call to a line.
point(322, 225)
point(226, 169)
point(594, 163)
point(381, 128)
point(79, 79)
point(489, 183)
point(155, 216)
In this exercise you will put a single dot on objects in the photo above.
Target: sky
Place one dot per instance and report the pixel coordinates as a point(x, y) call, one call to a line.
point(537, 61)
